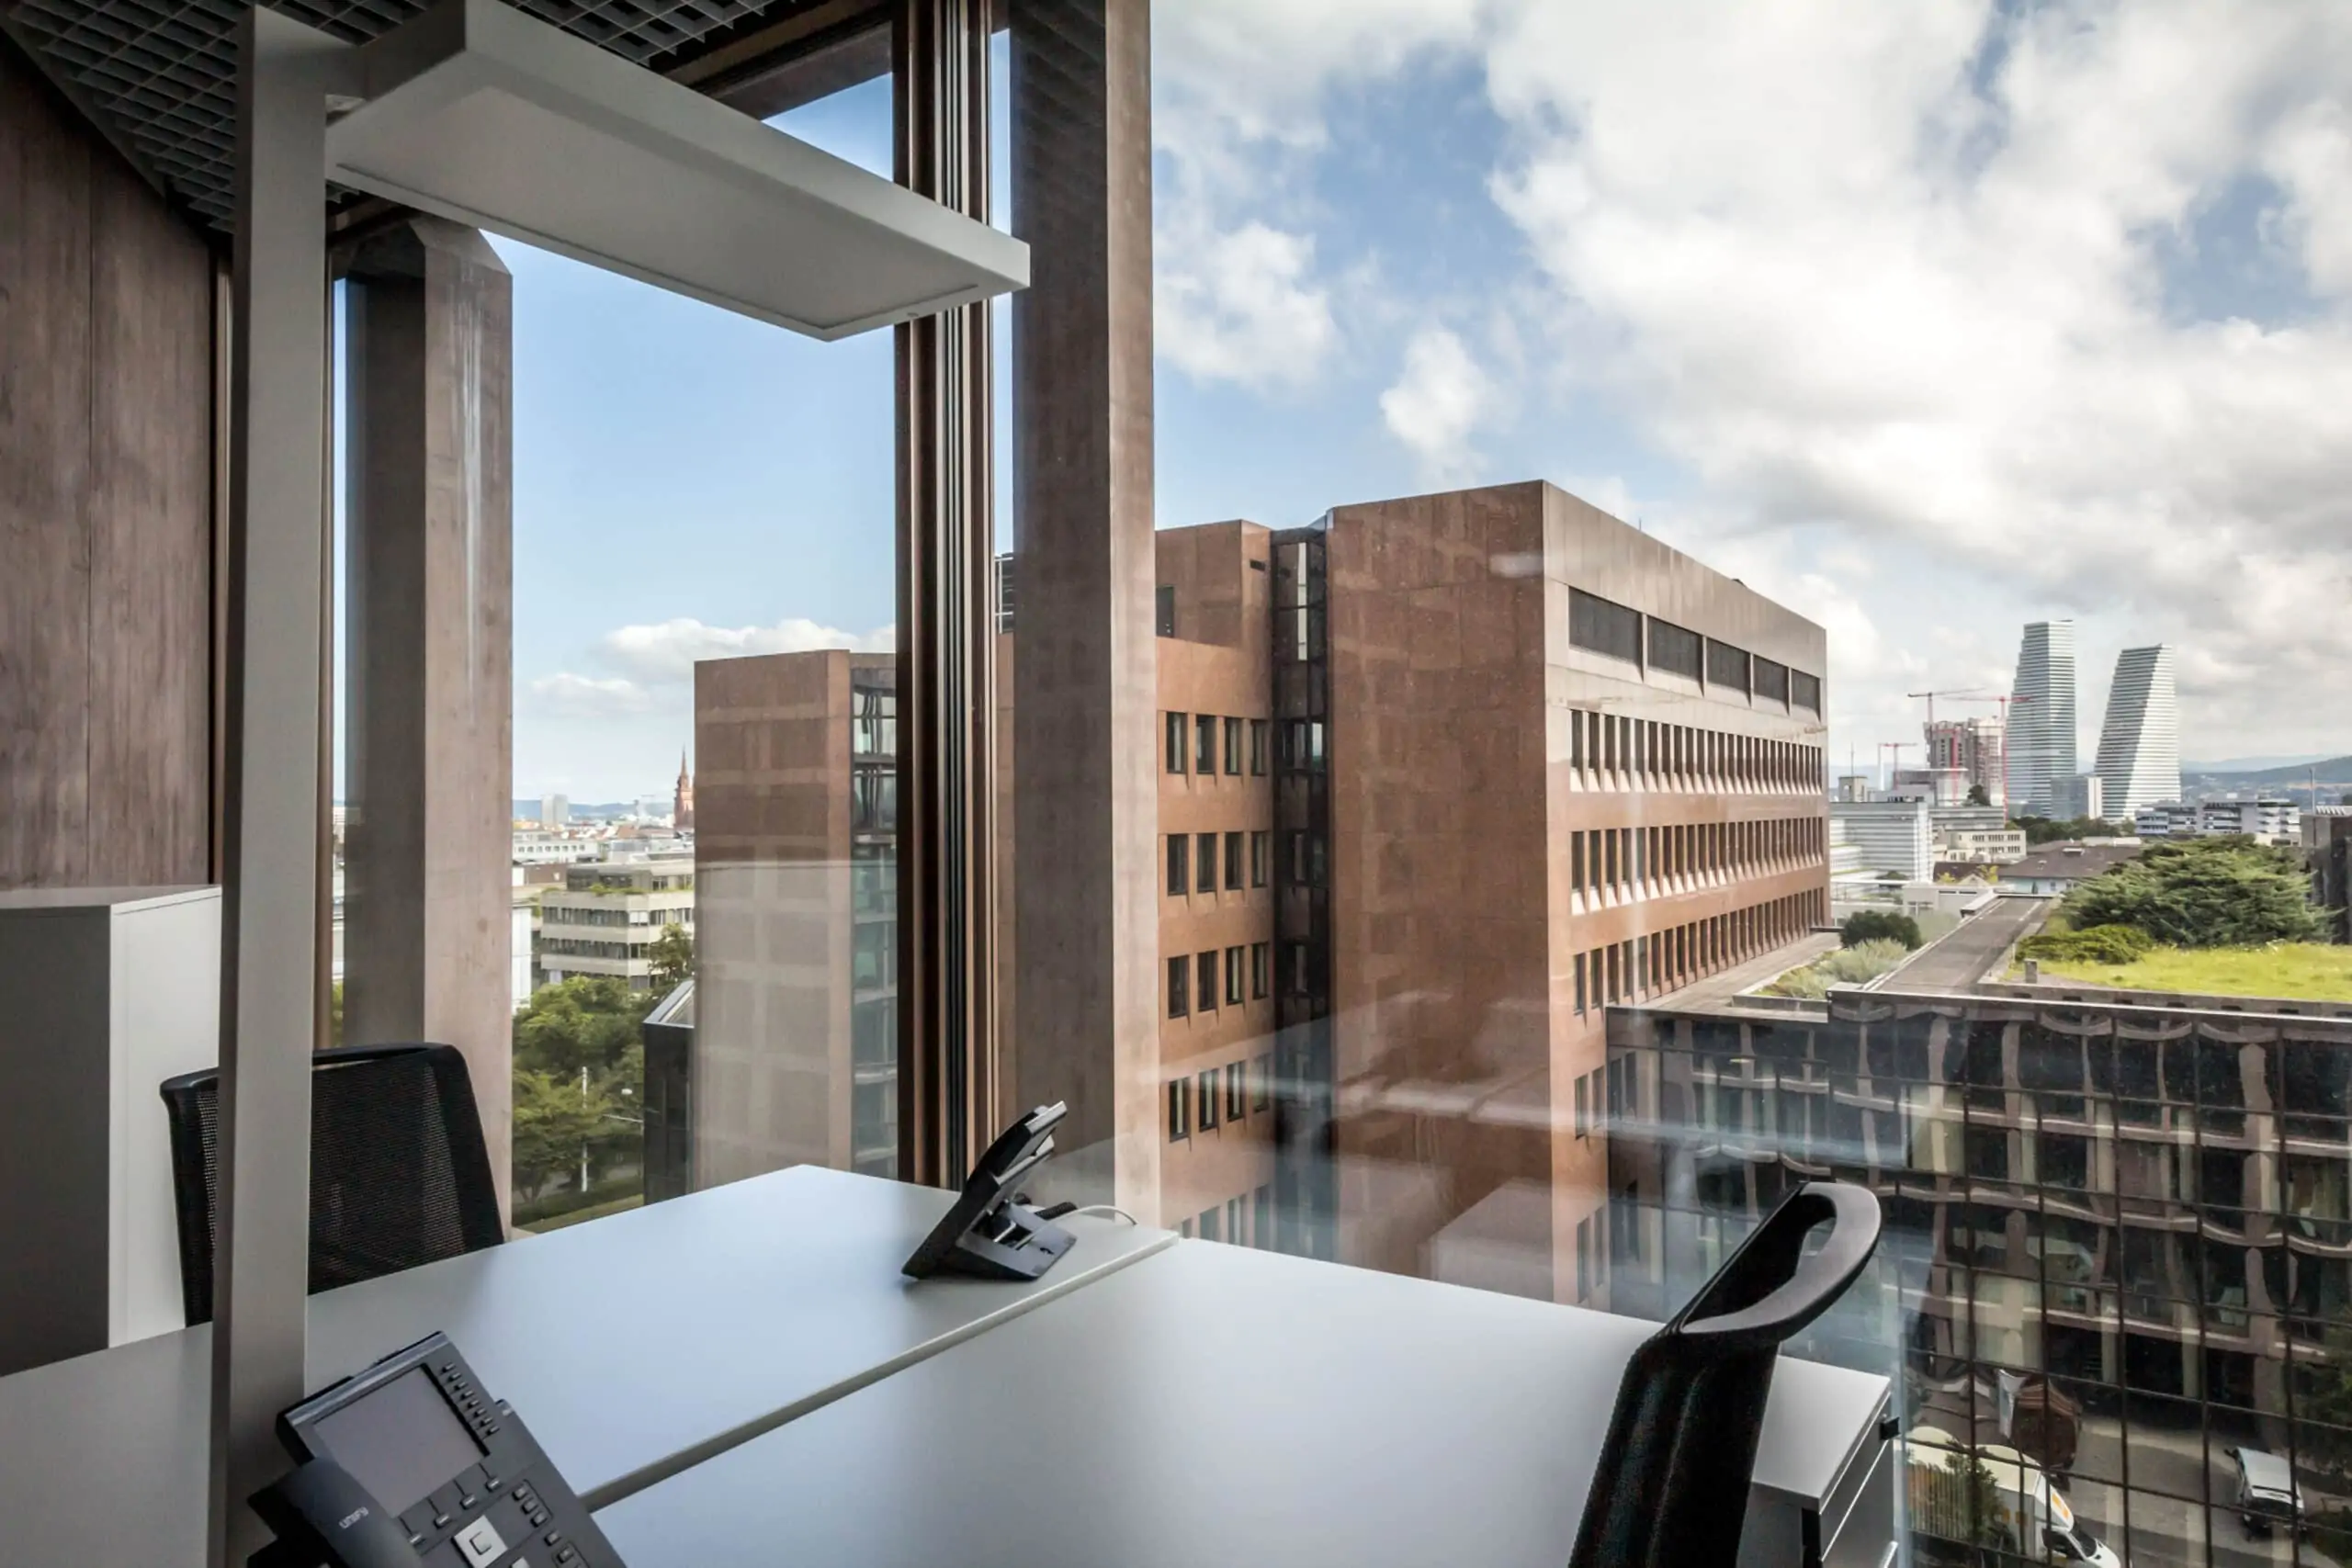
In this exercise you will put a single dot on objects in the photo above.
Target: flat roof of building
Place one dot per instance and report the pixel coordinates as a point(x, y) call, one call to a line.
point(2071, 861)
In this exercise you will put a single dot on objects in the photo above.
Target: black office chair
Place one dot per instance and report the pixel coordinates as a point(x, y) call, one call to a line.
point(399, 1176)
point(1671, 1487)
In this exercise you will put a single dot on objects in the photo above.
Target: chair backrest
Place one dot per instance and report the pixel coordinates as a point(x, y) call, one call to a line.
point(399, 1175)
point(1671, 1487)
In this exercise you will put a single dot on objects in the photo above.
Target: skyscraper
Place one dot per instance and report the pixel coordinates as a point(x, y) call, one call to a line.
point(2042, 716)
point(2139, 746)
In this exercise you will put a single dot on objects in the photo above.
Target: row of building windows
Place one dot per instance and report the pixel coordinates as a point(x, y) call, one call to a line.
point(1233, 1091)
point(1644, 753)
point(1627, 860)
point(1193, 862)
point(575, 915)
point(1668, 960)
point(1192, 744)
point(581, 947)
point(1601, 626)
point(1247, 977)
point(1245, 1221)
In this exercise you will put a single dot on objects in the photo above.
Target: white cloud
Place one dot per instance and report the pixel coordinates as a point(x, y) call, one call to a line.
point(566, 696)
point(1437, 403)
point(667, 652)
point(657, 663)
point(1242, 305)
point(1239, 90)
point(1893, 275)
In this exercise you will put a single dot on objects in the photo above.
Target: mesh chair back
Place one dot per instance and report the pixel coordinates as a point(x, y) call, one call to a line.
point(1671, 1487)
point(399, 1174)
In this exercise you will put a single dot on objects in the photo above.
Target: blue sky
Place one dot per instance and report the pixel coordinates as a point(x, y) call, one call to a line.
point(1968, 315)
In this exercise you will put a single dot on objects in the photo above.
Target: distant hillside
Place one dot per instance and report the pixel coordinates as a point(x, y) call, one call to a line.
point(2334, 770)
point(529, 809)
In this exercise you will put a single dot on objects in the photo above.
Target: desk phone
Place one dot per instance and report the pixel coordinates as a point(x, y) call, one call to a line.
point(410, 1465)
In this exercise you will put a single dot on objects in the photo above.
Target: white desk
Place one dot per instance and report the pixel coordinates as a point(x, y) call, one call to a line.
point(1213, 1405)
point(633, 1347)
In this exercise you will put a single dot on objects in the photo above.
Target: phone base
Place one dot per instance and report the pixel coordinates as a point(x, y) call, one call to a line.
point(1009, 1243)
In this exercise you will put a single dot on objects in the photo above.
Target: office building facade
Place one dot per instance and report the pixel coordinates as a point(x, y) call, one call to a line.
point(1974, 746)
point(2078, 797)
point(2139, 1201)
point(605, 919)
point(2327, 850)
point(2039, 743)
point(1891, 836)
point(1529, 760)
point(2139, 744)
point(795, 1024)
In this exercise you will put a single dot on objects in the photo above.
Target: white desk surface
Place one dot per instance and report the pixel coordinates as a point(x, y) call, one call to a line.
point(634, 1346)
point(1213, 1405)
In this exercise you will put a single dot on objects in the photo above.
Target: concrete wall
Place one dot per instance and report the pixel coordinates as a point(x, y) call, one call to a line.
point(106, 512)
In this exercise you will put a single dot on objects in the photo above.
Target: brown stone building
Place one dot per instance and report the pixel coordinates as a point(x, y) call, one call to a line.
point(1532, 761)
point(793, 1056)
point(1440, 779)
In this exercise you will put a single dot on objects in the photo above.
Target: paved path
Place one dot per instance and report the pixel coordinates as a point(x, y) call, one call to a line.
point(1966, 954)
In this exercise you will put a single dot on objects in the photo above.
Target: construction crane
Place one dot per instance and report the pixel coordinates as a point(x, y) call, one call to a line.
point(1931, 696)
point(1899, 748)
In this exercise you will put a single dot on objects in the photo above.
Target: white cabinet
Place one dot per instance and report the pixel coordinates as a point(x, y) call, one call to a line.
point(104, 994)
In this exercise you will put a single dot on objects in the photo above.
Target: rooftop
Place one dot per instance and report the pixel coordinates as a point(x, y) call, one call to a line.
point(2072, 861)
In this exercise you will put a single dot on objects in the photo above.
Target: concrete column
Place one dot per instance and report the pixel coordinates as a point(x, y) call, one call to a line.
point(1086, 807)
point(277, 616)
point(430, 731)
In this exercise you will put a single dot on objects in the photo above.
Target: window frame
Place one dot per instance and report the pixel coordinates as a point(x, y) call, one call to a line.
point(1179, 985)
point(1174, 757)
point(1232, 747)
point(1204, 745)
point(1204, 1115)
point(1180, 864)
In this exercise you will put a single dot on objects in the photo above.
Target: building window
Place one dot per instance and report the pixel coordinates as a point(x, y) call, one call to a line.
point(1772, 681)
point(1261, 1087)
point(1175, 742)
point(1262, 1230)
point(1179, 1118)
point(1233, 863)
point(1184, 1228)
point(1233, 1217)
point(1259, 982)
point(1180, 864)
point(1208, 1224)
point(1205, 865)
point(1205, 744)
point(1584, 1258)
point(1297, 958)
point(1206, 990)
point(1673, 649)
point(1257, 748)
point(1180, 986)
point(1233, 746)
point(1726, 665)
point(1164, 608)
point(1233, 994)
point(1580, 992)
point(1236, 1097)
point(1208, 1103)
point(1260, 851)
point(1576, 859)
point(1584, 1105)
point(1596, 624)
point(1805, 691)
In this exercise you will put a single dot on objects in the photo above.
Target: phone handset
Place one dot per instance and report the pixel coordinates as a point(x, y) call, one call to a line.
point(322, 1515)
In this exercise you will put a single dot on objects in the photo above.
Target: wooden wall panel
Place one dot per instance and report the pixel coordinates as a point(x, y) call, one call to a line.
point(44, 484)
point(150, 554)
point(105, 511)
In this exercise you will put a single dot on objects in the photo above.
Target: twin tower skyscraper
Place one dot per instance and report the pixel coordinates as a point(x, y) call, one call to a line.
point(2139, 746)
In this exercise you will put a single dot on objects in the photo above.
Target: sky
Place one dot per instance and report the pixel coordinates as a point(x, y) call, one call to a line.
point(1927, 320)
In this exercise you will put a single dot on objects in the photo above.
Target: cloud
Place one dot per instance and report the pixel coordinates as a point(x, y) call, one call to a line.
point(1892, 279)
point(657, 662)
point(667, 652)
point(1242, 305)
point(1437, 403)
point(566, 696)
point(1239, 92)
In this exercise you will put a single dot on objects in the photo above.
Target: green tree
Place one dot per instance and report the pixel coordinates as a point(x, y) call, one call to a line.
point(2044, 831)
point(579, 1081)
point(1879, 925)
point(672, 954)
point(1978, 795)
point(2226, 892)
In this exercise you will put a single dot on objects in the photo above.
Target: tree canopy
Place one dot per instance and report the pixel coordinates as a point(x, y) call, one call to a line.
point(579, 1080)
point(2224, 892)
point(2050, 830)
point(1879, 925)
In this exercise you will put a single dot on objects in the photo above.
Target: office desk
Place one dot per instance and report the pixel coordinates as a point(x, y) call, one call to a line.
point(633, 1345)
point(1214, 1406)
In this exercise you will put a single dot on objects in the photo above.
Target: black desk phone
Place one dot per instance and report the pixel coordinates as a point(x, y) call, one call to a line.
point(990, 1232)
point(410, 1465)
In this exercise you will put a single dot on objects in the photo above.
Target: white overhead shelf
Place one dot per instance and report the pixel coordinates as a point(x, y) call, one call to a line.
point(481, 113)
